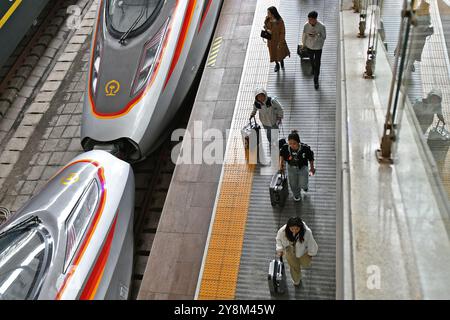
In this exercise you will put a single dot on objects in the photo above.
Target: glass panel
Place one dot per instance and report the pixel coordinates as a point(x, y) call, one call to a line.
point(424, 72)
point(23, 255)
point(129, 15)
point(427, 81)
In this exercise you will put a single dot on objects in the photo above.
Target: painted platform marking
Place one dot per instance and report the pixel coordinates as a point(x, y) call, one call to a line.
point(10, 11)
point(214, 52)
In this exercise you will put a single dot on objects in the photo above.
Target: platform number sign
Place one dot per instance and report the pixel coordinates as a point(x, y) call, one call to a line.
point(70, 179)
point(74, 20)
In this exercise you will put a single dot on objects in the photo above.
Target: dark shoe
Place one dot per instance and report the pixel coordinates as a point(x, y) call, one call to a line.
point(306, 190)
point(277, 67)
point(282, 64)
point(316, 86)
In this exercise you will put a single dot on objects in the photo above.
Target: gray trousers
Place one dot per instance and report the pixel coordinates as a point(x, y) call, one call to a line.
point(298, 179)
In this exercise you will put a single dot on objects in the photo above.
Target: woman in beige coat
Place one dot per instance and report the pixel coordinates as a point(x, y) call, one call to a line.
point(295, 239)
point(278, 49)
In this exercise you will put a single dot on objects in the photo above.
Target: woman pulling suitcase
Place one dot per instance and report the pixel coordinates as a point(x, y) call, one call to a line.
point(297, 155)
point(295, 240)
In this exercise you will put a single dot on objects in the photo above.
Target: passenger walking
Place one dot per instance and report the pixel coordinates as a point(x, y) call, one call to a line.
point(421, 30)
point(297, 155)
point(278, 49)
point(313, 38)
point(270, 111)
point(296, 241)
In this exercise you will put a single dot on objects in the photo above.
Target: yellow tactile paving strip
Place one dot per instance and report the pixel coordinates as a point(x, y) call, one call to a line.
point(221, 261)
point(435, 70)
point(224, 252)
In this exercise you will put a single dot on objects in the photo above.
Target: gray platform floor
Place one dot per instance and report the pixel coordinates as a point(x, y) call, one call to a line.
point(313, 113)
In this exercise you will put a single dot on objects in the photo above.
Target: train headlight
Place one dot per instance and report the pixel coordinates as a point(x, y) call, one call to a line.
point(150, 54)
point(96, 65)
point(79, 219)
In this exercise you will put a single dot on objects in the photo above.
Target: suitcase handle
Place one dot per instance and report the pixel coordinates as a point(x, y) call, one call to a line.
point(283, 174)
point(280, 266)
point(437, 124)
point(280, 130)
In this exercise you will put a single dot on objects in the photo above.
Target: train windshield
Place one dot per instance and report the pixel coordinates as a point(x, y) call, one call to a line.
point(24, 256)
point(131, 16)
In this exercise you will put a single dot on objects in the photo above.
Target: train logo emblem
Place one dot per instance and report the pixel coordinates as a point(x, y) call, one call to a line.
point(70, 179)
point(112, 87)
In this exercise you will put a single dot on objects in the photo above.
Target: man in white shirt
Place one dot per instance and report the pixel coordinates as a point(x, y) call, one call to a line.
point(313, 38)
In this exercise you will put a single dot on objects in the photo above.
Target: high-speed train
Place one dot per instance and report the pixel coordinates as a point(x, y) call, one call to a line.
point(145, 56)
point(74, 239)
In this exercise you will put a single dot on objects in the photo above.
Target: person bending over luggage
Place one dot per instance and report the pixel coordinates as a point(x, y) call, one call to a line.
point(297, 155)
point(270, 111)
point(426, 108)
point(296, 241)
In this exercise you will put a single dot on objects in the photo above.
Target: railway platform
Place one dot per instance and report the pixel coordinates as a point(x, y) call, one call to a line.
point(205, 228)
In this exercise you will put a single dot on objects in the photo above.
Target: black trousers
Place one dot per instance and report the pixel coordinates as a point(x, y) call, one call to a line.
point(314, 57)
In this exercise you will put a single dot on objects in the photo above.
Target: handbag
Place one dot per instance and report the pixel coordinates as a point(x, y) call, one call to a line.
point(429, 31)
point(439, 133)
point(266, 35)
point(301, 51)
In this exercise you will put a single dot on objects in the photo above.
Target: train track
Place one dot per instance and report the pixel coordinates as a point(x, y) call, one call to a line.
point(19, 67)
point(152, 179)
point(31, 41)
point(152, 184)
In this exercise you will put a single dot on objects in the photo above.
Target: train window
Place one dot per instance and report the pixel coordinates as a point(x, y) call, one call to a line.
point(131, 16)
point(24, 260)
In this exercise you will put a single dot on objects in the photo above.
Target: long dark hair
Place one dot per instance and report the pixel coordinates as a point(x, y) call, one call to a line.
point(294, 136)
point(274, 12)
point(295, 222)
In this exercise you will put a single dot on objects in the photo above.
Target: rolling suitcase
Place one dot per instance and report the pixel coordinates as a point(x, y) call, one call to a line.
point(439, 143)
point(277, 276)
point(251, 138)
point(278, 189)
point(302, 52)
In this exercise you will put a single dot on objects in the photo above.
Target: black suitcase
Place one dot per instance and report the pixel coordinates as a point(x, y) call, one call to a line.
point(439, 143)
point(302, 52)
point(277, 276)
point(278, 189)
point(251, 131)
